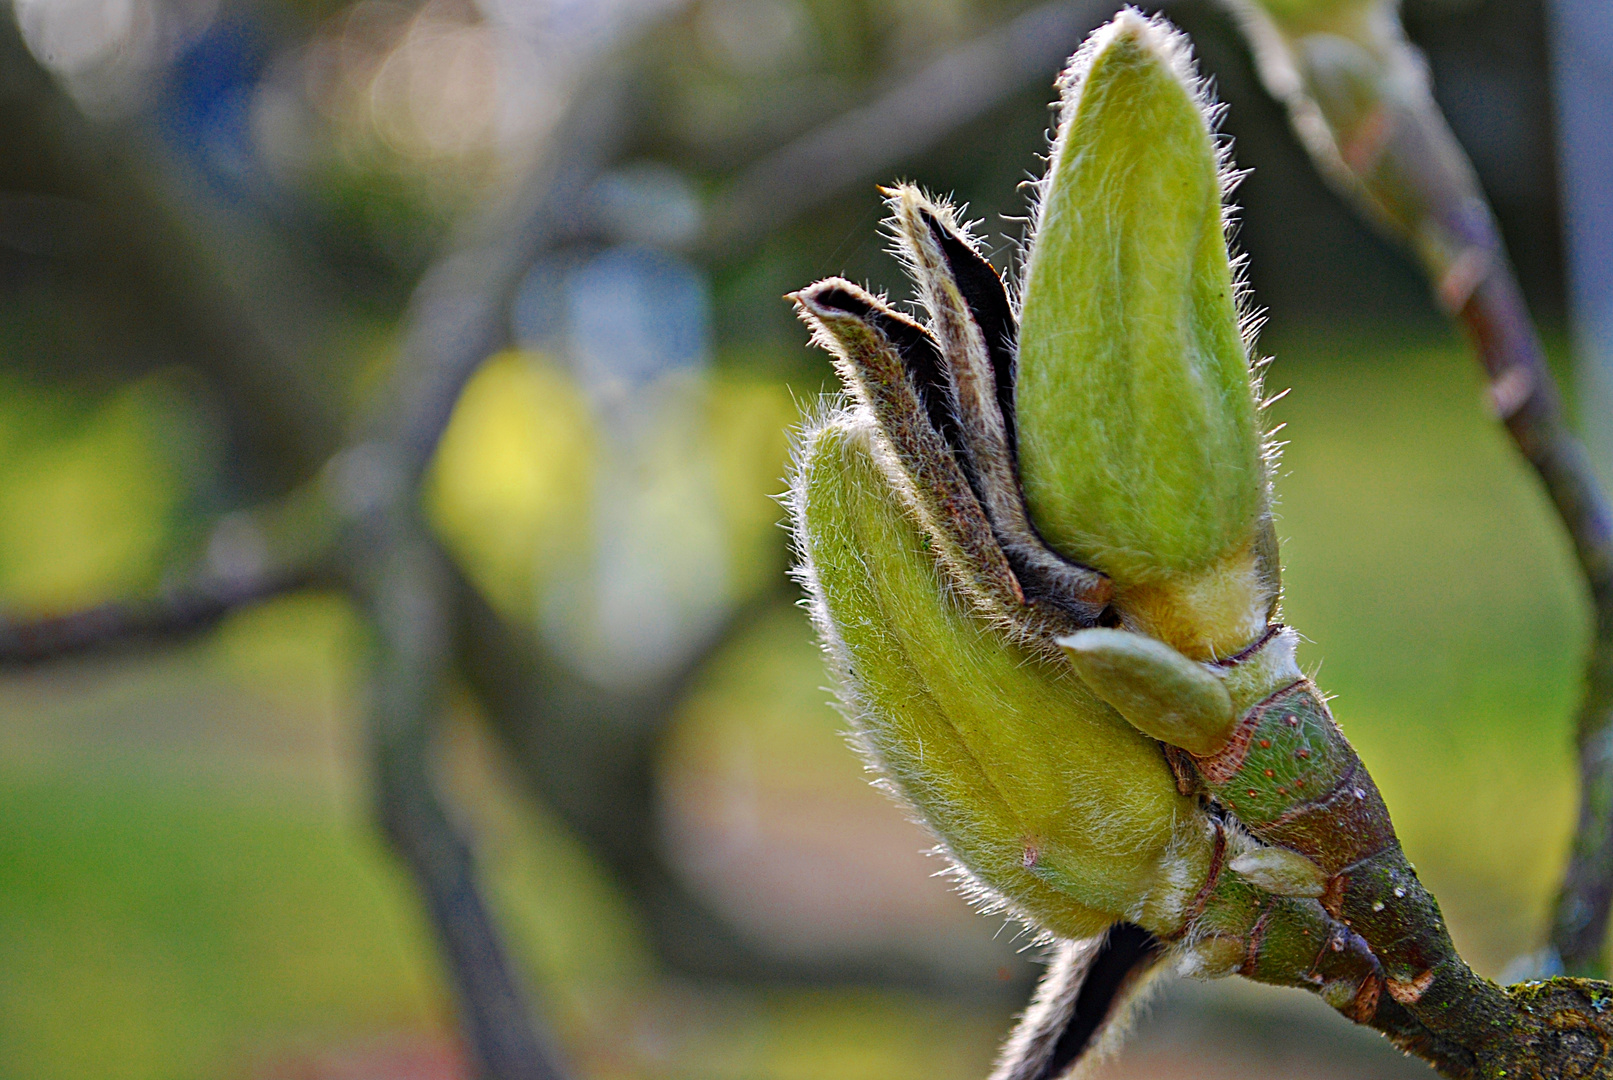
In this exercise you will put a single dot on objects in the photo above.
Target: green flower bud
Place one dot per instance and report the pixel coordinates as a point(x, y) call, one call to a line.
point(1047, 797)
point(1138, 446)
point(1358, 96)
point(1038, 546)
point(999, 487)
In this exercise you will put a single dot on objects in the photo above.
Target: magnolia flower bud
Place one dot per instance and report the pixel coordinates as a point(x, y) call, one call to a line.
point(1091, 477)
point(1358, 96)
point(1037, 548)
point(1134, 401)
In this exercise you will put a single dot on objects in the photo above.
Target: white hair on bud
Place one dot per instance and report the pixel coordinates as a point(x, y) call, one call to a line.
point(835, 411)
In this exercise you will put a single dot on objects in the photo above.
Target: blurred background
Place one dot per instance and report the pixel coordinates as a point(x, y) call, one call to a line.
point(237, 236)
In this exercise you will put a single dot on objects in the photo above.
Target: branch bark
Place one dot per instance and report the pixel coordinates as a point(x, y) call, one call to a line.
point(1391, 153)
point(401, 577)
point(176, 615)
point(253, 556)
point(404, 584)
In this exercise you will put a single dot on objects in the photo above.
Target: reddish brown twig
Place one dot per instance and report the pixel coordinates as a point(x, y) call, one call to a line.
point(1359, 98)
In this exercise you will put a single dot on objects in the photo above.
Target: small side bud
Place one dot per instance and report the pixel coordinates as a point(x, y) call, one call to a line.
point(1161, 692)
point(1213, 957)
point(1278, 870)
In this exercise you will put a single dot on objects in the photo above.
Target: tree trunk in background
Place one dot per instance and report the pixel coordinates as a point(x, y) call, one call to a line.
point(1582, 61)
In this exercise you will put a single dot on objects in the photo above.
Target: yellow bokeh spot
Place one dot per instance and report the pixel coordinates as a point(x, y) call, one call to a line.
point(511, 485)
point(750, 421)
point(85, 513)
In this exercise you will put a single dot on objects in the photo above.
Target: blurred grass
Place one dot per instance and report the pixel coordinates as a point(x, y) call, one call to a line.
point(148, 929)
point(188, 879)
point(188, 876)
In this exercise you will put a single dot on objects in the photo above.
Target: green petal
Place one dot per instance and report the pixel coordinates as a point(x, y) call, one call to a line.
point(1138, 445)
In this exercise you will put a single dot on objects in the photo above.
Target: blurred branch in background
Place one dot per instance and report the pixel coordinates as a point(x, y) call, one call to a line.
point(1582, 70)
point(181, 613)
point(251, 556)
point(455, 322)
point(458, 316)
point(868, 142)
point(1583, 63)
point(404, 581)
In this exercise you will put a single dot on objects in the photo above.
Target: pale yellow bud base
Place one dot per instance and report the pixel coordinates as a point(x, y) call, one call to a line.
point(1207, 614)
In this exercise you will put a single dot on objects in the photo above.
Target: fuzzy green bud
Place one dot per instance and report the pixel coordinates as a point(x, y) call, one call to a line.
point(1138, 445)
point(1045, 795)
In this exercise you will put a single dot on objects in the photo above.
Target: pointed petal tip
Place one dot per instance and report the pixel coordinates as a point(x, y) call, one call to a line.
point(813, 296)
point(1151, 34)
point(1129, 41)
point(1132, 27)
